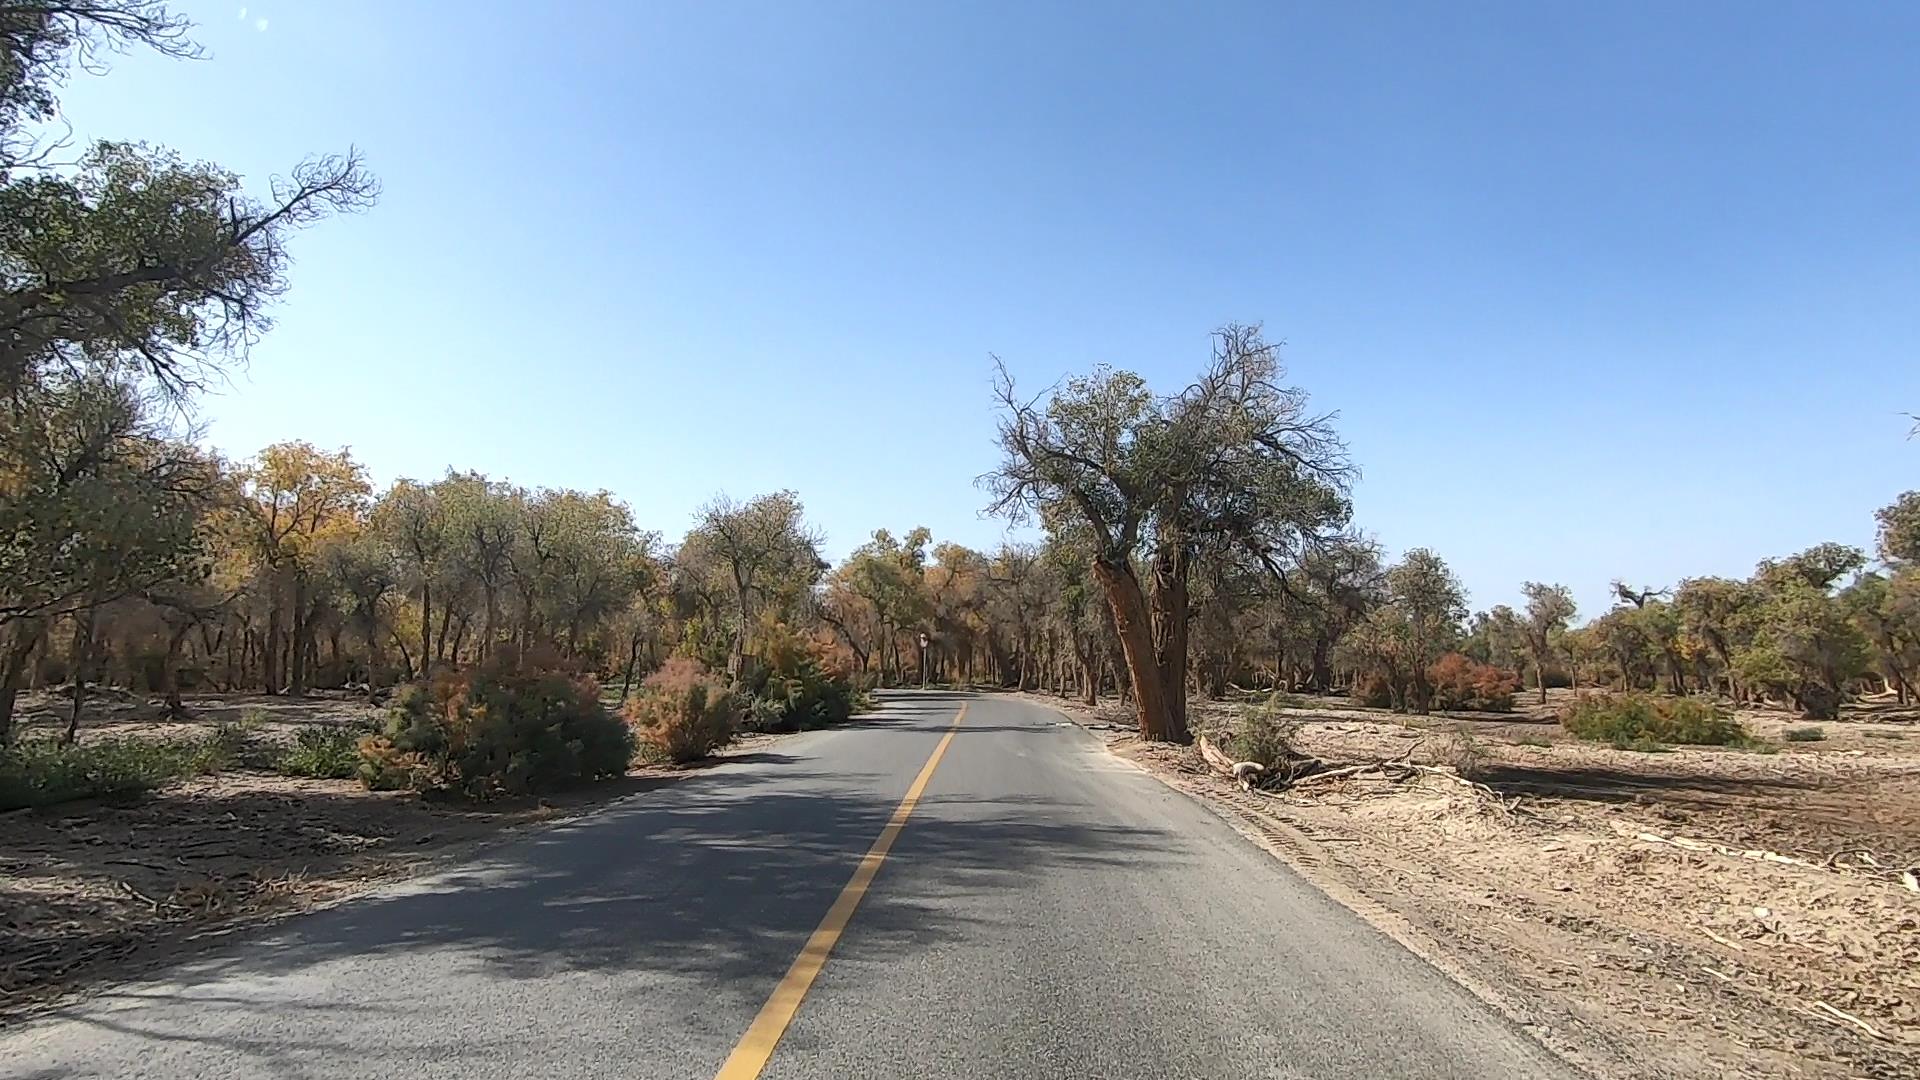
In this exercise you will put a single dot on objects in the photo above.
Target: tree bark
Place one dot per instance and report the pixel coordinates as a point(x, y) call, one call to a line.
point(633, 660)
point(426, 625)
point(170, 676)
point(1133, 625)
point(302, 628)
point(270, 652)
point(23, 637)
point(83, 624)
point(1169, 613)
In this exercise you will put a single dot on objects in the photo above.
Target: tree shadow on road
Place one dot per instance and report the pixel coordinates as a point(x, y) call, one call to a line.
point(707, 888)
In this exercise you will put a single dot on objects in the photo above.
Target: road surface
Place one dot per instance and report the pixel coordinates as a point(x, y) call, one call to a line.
point(1045, 911)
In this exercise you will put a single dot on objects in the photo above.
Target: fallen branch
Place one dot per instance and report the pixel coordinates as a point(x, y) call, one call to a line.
point(1836, 1014)
point(1400, 769)
point(1734, 945)
point(1244, 773)
point(1336, 774)
point(1689, 844)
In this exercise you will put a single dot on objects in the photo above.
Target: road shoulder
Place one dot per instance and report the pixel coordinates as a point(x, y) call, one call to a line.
point(1601, 989)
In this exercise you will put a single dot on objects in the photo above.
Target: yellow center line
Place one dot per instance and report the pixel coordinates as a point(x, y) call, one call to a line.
point(756, 1046)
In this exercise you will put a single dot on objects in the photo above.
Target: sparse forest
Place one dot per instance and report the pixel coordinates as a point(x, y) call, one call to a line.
point(1193, 541)
point(303, 670)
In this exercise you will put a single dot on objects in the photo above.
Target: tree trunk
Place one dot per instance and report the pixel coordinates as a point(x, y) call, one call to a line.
point(170, 676)
point(633, 660)
point(270, 654)
point(1090, 672)
point(490, 624)
point(23, 637)
point(406, 656)
point(426, 626)
point(1132, 624)
point(83, 624)
point(302, 629)
point(1169, 612)
point(446, 626)
point(1540, 677)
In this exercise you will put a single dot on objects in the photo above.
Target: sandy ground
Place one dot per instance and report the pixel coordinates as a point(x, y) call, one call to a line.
point(1704, 912)
point(92, 892)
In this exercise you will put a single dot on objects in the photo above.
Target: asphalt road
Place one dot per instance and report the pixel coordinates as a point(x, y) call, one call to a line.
point(1046, 911)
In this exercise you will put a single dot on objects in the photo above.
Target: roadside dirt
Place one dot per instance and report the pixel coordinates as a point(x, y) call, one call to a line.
point(92, 892)
point(1631, 909)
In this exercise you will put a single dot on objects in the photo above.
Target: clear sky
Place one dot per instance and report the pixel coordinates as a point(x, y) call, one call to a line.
point(1599, 291)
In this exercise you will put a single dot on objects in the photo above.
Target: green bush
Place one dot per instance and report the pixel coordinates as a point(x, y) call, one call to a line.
point(763, 714)
point(683, 713)
point(1804, 734)
point(1262, 734)
point(799, 692)
point(324, 752)
point(497, 730)
point(43, 771)
point(1624, 719)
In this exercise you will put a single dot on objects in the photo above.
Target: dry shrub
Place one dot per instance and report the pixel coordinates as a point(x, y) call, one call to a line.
point(1373, 692)
point(1462, 752)
point(683, 713)
point(497, 730)
point(1461, 683)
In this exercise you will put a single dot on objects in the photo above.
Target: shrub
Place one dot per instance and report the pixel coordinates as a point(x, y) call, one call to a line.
point(43, 771)
point(1461, 683)
point(763, 714)
point(231, 743)
point(498, 730)
point(324, 752)
point(683, 713)
point(1373, 692)
point(801, 692)
point(1463, 753)
point(1262, 734)
point(1623, 719)
point(1804, 734)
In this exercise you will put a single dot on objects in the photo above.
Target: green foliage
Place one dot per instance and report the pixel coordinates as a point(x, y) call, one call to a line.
point(1644, 746)
point(494, 731)
point(1262, 734)
point(97, 499)
point(790, 689)
point(42, 772)
point(324, 752)
point(1624, 719)
point(745, 560)
point(1400, 640)
point(1900, 529)
point(1460, 683)
point(1804, 734)
point(1800, 638)
point(683, 713)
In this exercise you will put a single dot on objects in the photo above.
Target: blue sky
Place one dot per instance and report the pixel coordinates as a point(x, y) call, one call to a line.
point(1598, 290)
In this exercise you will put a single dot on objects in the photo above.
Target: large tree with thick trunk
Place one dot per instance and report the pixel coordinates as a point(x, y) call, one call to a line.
point(1235, 460)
